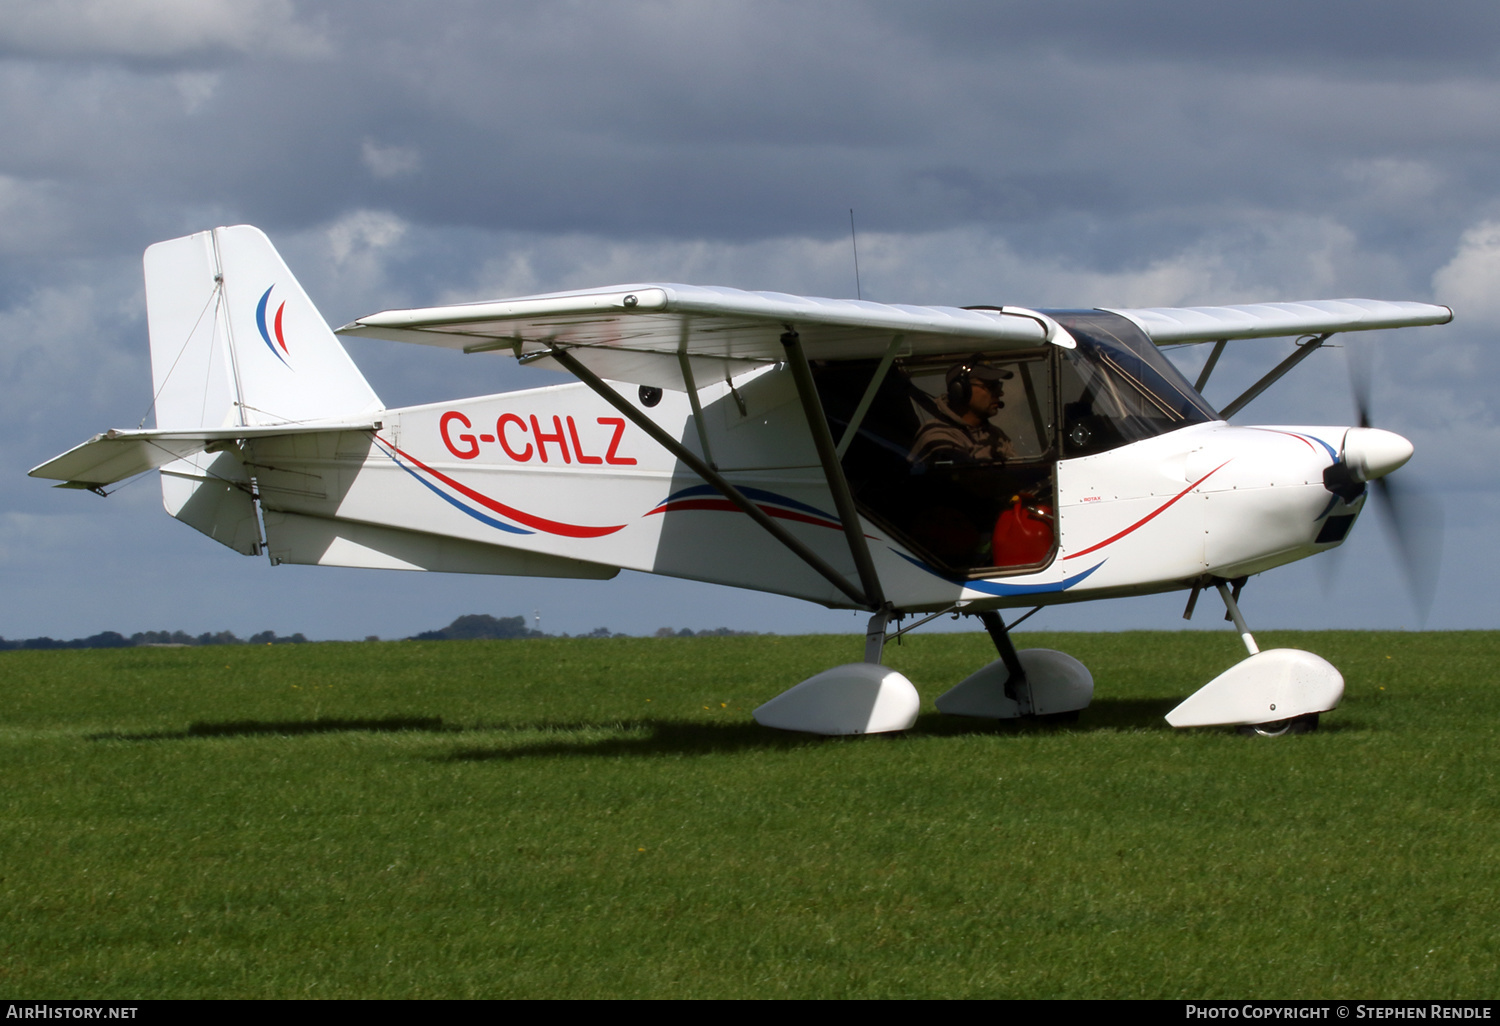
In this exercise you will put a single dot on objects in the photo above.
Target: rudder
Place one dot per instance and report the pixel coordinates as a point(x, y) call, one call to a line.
point(236, 341)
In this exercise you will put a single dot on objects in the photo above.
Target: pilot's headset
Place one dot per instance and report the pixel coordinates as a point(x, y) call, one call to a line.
point(961, 380)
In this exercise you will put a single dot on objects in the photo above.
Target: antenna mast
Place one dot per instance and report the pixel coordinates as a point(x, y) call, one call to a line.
point(854, 239)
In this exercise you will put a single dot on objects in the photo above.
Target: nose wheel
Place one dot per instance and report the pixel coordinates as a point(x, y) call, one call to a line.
point(1256, 695)
point(1280, 728)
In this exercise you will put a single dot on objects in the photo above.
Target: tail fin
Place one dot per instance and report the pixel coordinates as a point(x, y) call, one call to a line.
point(236, 342)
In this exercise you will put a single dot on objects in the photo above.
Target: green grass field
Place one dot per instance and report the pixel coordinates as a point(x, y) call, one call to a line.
point(602, 818)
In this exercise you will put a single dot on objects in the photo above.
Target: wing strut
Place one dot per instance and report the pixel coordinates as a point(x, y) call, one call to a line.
point(713, 477)
point(833, 470)
point(1304, 350)
point(1208, 367)
point(692, 391)
point(871, 390)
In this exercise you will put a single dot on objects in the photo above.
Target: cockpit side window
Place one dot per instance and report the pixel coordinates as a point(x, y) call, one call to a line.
point(1025, 418)
point(954, 455)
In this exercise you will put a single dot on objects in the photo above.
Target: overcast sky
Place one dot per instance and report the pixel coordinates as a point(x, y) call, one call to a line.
point(1066, 154)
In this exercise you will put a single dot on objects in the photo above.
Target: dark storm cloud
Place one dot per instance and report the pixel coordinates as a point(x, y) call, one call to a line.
point(1382, 38)
point(1103, 135)
point(680, 117)
point(744, 122)
point(758, 120)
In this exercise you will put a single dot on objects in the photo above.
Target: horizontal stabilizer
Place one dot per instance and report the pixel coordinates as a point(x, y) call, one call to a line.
point(116, 455)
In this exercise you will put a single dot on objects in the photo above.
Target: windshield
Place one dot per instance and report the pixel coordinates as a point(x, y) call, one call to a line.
point(1117, 387)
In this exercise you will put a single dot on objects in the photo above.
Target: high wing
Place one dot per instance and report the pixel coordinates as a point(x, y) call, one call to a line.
point(644, 333)
point(1173, 325)
point(115, 455)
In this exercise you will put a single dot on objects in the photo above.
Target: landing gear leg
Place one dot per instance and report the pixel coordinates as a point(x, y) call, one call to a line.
point(1232, 612)
point(875, 636)
point(1034, 682)
point(1017, 686)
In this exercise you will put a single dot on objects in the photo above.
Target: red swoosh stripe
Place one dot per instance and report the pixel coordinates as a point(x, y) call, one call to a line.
point(1149, 516)
point(529, 519)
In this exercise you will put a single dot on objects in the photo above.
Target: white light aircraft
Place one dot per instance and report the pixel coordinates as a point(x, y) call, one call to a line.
point(898, 459)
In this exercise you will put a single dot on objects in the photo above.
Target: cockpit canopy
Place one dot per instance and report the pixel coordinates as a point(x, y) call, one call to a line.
point(957, 453)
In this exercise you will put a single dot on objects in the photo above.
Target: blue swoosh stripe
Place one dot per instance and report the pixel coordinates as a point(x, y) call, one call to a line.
point(999, 588)
point(756, 494)
point(260, 322)
point(455, 503)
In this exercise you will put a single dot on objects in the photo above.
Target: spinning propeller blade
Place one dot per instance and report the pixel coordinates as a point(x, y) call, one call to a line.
point(1414, 522)
point(1413, 519)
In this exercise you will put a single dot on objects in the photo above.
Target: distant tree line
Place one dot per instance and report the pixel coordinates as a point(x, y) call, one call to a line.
point(478, 626)
point(113, 639)
point(717, 632)
point(482, 627)
point(474, 627)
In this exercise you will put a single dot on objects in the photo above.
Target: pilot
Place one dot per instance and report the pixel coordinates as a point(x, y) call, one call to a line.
point(962, 431)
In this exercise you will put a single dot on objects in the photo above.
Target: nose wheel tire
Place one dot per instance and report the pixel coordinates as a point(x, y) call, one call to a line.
point(1280, 728)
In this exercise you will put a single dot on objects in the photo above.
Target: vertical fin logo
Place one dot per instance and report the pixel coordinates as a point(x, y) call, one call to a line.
point(260, 322)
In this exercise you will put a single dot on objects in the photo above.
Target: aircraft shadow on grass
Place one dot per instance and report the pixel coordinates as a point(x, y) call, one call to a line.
point(653, 736)
point(285, 728)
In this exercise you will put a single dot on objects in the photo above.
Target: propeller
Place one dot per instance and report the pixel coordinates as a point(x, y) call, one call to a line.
point(1413, 519)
